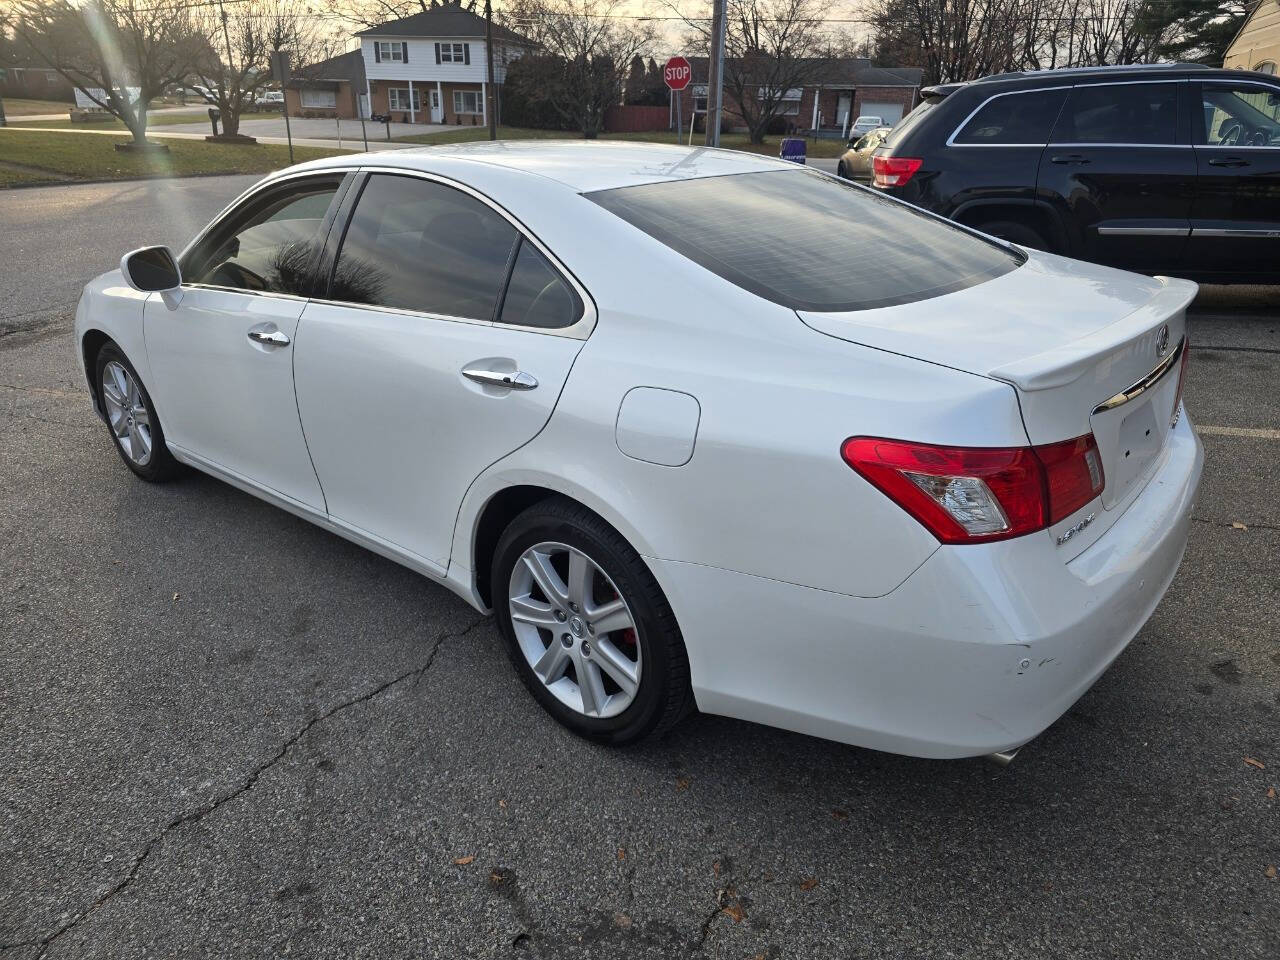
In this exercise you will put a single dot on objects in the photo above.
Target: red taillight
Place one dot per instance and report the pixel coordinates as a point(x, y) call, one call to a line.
point(980, 494)
point(893, 171)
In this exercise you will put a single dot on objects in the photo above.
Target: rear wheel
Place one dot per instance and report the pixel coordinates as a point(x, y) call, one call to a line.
point(841, 172)
point(1014, 232)
point(131, 417)
point(587, 627)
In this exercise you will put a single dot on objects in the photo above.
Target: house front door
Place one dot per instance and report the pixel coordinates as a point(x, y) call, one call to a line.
point(843, 105)
point(437, 116)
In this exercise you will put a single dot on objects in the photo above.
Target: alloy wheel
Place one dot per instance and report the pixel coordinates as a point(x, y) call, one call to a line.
point(575, 629)
point(127, 413)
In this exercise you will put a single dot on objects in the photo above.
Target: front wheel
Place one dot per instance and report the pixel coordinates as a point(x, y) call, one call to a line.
point(131, 417)
point(587, 627)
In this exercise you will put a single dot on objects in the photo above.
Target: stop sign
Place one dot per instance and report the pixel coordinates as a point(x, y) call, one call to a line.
point(677, 73)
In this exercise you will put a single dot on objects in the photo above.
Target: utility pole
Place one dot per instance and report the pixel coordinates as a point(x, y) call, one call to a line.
point(715, 78)
point(488, 59)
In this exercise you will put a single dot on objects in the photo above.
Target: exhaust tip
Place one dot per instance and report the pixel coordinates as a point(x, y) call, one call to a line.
point(1002, 758)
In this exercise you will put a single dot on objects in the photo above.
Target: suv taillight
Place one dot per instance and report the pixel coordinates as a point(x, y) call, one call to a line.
point(980, 494)
point(893, 171)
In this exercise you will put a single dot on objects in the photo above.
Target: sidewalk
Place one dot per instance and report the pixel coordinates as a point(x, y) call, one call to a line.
point(356, 146)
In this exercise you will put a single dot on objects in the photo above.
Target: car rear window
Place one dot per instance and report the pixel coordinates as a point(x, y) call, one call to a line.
point(809, 241)
point(1014, 118)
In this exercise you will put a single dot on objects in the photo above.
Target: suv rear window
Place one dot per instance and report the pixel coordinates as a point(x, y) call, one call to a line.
point(809, 241)
point(1013, 118)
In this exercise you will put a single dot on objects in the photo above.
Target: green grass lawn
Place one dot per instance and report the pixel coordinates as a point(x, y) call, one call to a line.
point(729, 141)
point(153, 120)
point(80, 156)
point(17, 107)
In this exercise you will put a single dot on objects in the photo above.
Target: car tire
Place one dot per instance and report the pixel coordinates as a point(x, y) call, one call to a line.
point(1017, 233)
point(563, 659)
point(841, 172)
point(131, 417)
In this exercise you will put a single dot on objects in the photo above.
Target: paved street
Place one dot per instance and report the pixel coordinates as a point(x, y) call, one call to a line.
point(225, 732)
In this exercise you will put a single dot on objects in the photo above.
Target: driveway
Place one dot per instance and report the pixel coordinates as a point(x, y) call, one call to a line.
point(227, 733)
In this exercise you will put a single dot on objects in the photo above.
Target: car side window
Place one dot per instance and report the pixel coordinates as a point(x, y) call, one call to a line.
point(1239, 116)
point(1013, 119)
point(1141, 113)
point(270, 246)
point(537, 296)
point(415, 244)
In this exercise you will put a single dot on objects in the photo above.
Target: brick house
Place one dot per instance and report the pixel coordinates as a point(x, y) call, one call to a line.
point(330, 88)
point(430, 67)
point(850, 87)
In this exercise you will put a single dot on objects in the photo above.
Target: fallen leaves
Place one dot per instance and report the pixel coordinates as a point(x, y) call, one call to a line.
point(839, 814)
point(1255, 763)
point(734, 910)
point(808, 883)
point(463, 861)
point(1271, 793)
point(176, 596)
point(622, 921)
point(1237, 525)
point(622, 853)
point(500, 877)
point(1270, 872)
point(682, 784)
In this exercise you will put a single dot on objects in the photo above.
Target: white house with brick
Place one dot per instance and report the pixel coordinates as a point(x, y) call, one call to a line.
point(431, 68)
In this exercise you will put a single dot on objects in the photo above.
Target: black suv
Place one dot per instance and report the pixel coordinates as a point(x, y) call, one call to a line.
point(1161, 169)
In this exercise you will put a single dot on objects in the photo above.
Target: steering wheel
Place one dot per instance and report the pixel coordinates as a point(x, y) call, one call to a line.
point(1229, 135)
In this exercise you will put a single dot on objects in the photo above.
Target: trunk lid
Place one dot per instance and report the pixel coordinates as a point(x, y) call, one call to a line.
point(1075, 341)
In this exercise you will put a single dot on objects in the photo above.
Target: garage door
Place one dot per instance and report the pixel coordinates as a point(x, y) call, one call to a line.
point(890, 113)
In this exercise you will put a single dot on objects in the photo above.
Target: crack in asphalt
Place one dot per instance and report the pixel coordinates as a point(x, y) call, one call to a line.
point(203, 811)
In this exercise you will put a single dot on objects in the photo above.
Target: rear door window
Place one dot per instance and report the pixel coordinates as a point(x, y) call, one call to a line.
point(809, 241)
point(416, 244)
point(1013, 119)
point(537, 296)
point(1120, 113)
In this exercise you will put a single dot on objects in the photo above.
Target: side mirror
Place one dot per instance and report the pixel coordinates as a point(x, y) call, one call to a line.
point(151, 269)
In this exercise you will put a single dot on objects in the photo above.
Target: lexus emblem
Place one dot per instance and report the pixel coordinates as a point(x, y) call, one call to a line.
point(1162, 341)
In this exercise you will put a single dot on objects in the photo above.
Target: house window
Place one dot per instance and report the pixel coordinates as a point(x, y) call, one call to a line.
point(467, 101)
point(398, 99)
point(319, 98)
point(453, 53)
point(390, 51)
point(788, 103)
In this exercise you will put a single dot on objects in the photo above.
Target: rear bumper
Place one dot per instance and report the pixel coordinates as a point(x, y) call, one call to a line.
point(979, 650)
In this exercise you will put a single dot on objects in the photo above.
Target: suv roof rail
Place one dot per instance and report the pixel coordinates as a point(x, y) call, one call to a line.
point(1113, 68)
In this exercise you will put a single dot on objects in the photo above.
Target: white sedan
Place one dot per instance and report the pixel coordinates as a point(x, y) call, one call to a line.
point(703, 429)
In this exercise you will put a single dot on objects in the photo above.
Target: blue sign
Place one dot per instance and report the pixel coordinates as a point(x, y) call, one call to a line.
point(793, 149)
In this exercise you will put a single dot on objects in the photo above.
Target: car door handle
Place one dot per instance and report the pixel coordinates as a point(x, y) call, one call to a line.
point(1228, 162)
point(1069, 158)
point(271, 338)
point(516, 380)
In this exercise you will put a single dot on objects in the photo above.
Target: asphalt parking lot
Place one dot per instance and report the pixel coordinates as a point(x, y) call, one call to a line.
point(227, 733)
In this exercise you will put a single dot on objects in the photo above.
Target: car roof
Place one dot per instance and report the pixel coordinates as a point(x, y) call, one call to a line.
point(580, 165)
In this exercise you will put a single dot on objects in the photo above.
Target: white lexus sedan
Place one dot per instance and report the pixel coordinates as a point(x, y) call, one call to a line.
point(703, 429)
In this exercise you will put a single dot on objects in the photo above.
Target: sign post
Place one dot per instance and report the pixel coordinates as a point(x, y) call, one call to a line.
point(280, 71)
point(4, 75)
point(677, 74)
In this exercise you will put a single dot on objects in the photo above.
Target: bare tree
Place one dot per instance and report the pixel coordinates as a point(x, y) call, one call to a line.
point(235, 65)
point(586, 49)
point(108, 47)
point(771, 47)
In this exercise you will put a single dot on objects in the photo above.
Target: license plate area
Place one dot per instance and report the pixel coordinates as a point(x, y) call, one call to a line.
point(1137, 442)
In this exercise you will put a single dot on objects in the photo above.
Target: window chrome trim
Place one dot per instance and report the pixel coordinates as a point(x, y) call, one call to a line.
point(247, 293)
point(951, 140)
point(253, 191)
point(580, 329)
point(1146, 383)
